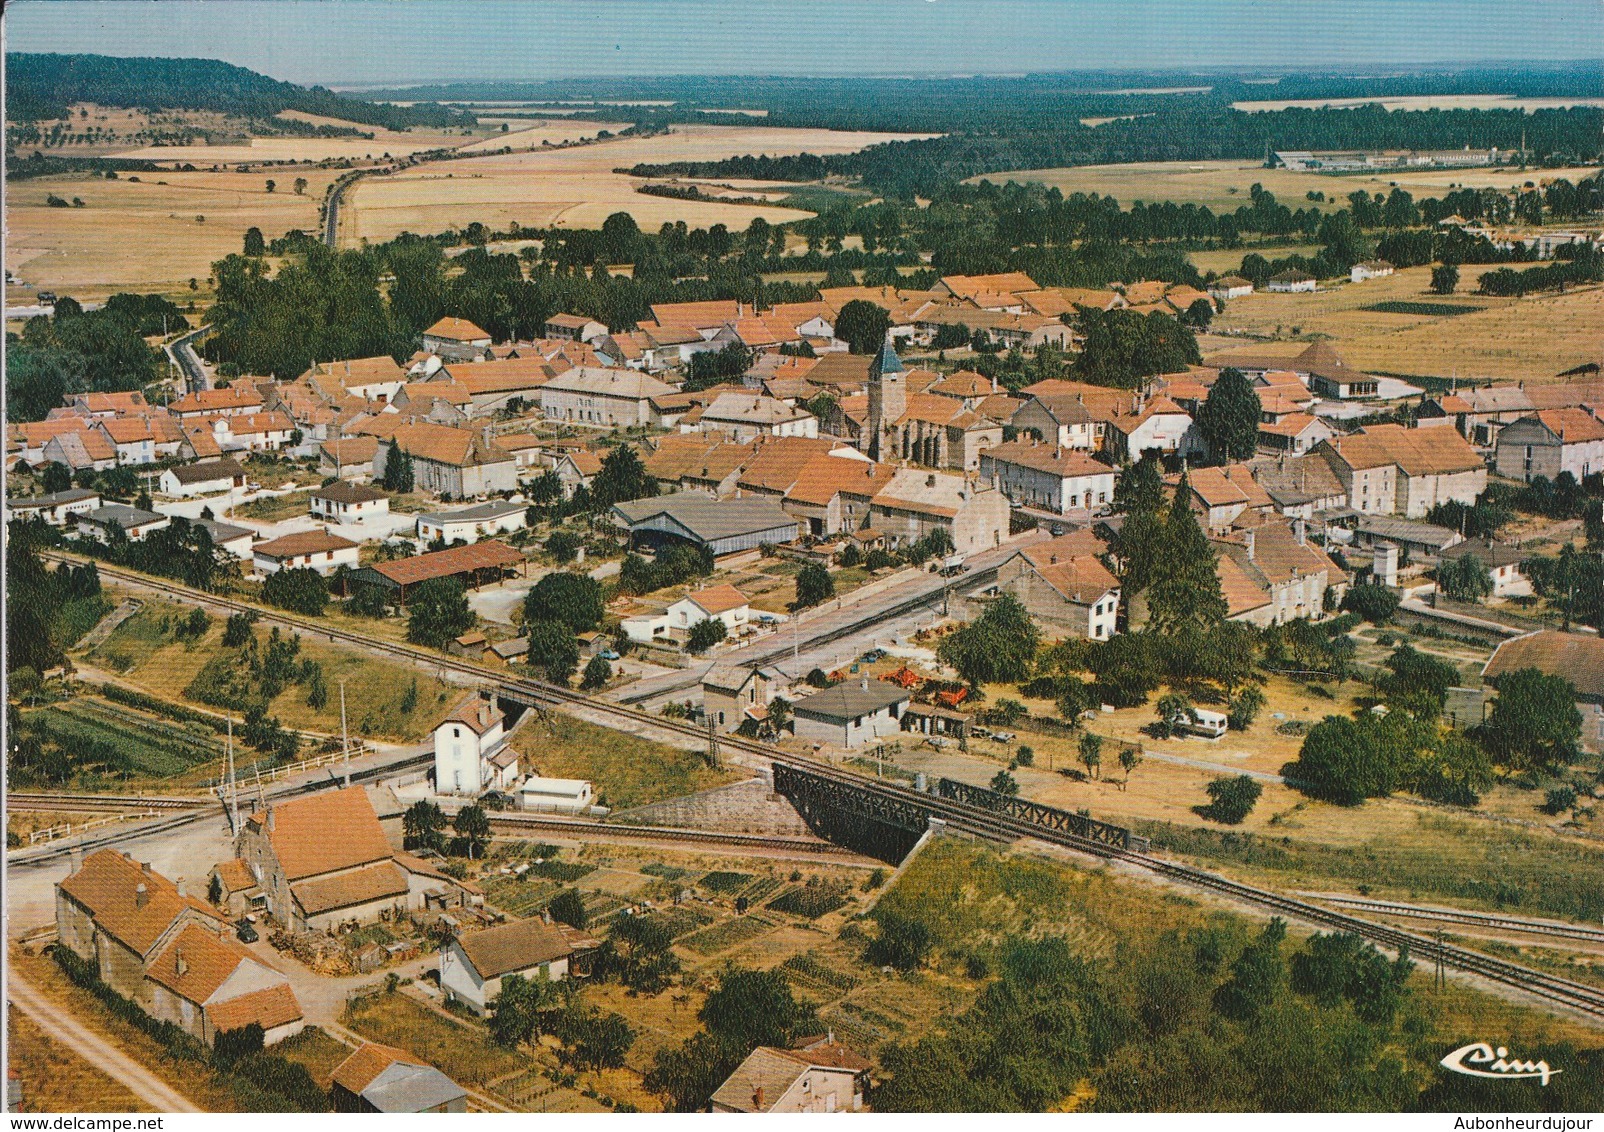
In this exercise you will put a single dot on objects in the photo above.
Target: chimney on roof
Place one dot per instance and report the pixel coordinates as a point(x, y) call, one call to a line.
point(180, 964)
point(1301, 530)
point(141, 895)
point(1248, 542)
point(757, 1098)
point(865, 683)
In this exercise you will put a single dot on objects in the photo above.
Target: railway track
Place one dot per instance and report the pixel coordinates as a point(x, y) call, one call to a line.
point(1577, 996)
point(1489, 920)
point(531, 822)
point(86, 803)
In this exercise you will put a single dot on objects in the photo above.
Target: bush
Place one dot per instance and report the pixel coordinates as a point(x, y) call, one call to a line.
point(237, 630)
point(1245, 708)
point(902, 943)
point(1231, 799)
point(813, 585)
point(597, 672)
point(299, 591)
point(1375, 604)
point(705, 634)
point(1559, 800)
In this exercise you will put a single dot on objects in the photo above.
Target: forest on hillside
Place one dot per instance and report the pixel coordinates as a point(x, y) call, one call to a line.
point(44, 86)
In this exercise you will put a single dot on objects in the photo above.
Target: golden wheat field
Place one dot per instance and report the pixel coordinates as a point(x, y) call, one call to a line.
point(1224, 185)
point(577, 187)
point(1529, 339)
point(144, 234)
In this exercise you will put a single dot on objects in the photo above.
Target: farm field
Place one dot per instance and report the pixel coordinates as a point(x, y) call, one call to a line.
point(144, 235)
point(55, 1078)
point(1424, 102)
point(145, 651)
point(1225, 261)
point(1224, 184)
point(576, 188)
point(522, 133)
point(1527, 339)
point(627, 770)
point(1221, 185)
point(392, 143)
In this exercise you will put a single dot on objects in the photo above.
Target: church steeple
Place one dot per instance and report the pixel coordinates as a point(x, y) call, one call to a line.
point(888, 401)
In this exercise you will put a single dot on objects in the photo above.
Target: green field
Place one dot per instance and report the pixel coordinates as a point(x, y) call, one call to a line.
point(626, 769)
point(1493, 866)
point(122, 739)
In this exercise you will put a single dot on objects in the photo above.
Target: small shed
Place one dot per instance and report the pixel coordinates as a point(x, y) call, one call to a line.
point(566, 795)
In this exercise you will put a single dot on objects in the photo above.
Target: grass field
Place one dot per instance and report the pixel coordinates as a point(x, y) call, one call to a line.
point(1226, 260)
point(626, 769)
point(54, 1078)
point(972, 897)
point(153, 747)
point(575, 188)
point(207, 1089)
point(146, 654)
point(463, 1053)
point(1425, 102)
point(1223, 185)
point(1528, 339)
point(143, 235)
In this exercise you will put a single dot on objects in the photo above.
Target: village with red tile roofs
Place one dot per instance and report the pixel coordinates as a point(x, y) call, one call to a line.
point(761, 692)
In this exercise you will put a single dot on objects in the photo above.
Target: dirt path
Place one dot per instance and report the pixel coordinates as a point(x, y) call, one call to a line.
point(97, 1050)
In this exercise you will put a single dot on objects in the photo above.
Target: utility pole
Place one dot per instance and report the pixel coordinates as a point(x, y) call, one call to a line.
point(345, 739)
point(233, 782)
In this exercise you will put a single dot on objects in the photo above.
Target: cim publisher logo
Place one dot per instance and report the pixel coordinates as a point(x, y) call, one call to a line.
point(1478, 1059)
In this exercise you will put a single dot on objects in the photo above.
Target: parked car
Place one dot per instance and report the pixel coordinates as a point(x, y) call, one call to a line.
point(609, 654)
point(245, 933)
point(1003, 736)
point(873, 655)
point(497, 800)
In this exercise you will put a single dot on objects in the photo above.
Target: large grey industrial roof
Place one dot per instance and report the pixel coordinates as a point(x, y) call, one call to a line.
point(708, 518)
point(851, 700)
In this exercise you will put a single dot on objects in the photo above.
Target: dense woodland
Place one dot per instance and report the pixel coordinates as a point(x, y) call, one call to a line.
point(44, 86)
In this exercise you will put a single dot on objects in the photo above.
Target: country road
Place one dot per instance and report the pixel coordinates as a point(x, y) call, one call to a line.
point(93, 1048)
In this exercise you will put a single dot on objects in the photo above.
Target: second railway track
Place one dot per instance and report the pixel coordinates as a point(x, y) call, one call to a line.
point(1577, 996)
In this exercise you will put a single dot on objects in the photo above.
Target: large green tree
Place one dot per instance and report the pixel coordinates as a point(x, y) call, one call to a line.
point(622, 477)
point(863, 326)
point(438, 612)
point(1229, 417)
point(1185, 594)
point(572, 599)
point(1122, 347)
point(1534, 723)
point(553, 649)
point(998, 647)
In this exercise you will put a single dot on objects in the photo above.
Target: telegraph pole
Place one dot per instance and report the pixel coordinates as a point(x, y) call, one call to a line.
point(345, 739)
point(233, 782)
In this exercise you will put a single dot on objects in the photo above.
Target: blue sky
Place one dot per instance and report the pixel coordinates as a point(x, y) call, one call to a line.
point(393, 42)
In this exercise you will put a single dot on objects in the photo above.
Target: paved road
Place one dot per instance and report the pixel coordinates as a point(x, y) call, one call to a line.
point(93, 1048)
point(833, 634)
